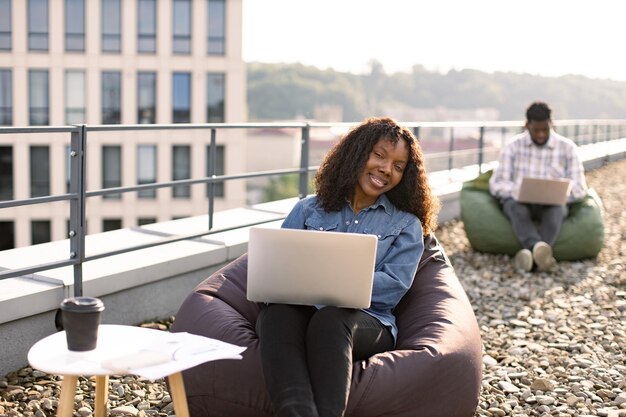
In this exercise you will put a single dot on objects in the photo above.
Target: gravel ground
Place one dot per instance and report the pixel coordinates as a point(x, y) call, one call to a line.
point(554, 343)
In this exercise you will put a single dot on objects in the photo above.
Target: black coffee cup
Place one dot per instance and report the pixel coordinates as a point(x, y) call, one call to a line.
point(80, 318)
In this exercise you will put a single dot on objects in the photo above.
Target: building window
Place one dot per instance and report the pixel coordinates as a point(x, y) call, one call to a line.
point(146, 169)
point(6, 173)
point(145, 220)
point(38, 25)
point(75, 25)
point(111, 26)
point(111, 224)
point(38, 97)
point(215, 98)
point(39, 171)
point(7, 235)
point(111, 97)
point(181, 97)
point(111, 168)
point(181, 169)
point(146, 97)
point(216, 27)
point(181, 27)
point(5, 25)
point(6, 98)
point(219, 168)
point(146, 24)
point(74, 97)
point(40, 232)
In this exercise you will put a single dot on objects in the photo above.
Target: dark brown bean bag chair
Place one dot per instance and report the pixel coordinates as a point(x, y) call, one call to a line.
point(434, 371)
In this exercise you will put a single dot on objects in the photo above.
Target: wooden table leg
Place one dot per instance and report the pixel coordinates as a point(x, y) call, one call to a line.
point(68, 392)
point(102, 395)
point(177, 388)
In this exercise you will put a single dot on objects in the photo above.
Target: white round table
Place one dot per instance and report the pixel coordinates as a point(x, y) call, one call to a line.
point(51, 355)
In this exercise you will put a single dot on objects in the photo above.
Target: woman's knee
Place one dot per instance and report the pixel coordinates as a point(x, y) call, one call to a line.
point(279, 316)
point(331, 320)
point(268, 314)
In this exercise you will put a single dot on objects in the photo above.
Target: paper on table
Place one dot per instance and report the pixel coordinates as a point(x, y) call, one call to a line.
point(185, 351)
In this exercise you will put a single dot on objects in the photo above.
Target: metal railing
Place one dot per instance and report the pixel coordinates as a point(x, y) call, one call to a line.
point(581, 131)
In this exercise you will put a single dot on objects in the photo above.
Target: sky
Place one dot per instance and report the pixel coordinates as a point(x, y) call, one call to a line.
point(539, 37)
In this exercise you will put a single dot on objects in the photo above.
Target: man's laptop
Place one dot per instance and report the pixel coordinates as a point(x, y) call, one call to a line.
point(544, 191)
point(311, 267)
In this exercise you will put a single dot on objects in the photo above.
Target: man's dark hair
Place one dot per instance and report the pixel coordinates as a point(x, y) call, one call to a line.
point(538, 112)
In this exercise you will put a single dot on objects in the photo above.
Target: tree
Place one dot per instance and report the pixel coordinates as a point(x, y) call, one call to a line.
point(285, 186)
point(286, 91)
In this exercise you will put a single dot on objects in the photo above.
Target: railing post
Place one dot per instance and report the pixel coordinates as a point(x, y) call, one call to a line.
point(607, 139)
point(576, 133)
point(450, 150)
point(416, 132)
point(211, 185)
point(593, 135)
point(77, 205)
point(480, 149)
point(304, 162)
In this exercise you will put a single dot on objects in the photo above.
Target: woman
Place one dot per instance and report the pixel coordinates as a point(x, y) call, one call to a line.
point(372, 181)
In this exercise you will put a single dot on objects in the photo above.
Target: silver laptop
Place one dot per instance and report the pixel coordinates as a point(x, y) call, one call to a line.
point(311, 267)
point(544, 191)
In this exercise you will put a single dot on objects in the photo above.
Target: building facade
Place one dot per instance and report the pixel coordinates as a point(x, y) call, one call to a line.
point(115, 62)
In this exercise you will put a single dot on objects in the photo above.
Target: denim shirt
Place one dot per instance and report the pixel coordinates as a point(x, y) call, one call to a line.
point(400, 246)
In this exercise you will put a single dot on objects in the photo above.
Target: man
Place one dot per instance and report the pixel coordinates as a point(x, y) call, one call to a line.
point(541, 153)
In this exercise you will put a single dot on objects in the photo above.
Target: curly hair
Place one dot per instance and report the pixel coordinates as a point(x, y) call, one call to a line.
point(338, 174)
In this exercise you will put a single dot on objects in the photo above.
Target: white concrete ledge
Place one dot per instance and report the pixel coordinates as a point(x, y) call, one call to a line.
point(23, 297)
point(38, 293)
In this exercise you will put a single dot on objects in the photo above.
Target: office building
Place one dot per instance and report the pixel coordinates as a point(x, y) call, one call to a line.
point(117, 62)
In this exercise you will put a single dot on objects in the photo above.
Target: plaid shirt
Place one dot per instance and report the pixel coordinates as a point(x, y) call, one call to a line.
point(558, 158)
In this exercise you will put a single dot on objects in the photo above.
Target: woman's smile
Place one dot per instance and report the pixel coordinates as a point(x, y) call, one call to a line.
point(379, 182)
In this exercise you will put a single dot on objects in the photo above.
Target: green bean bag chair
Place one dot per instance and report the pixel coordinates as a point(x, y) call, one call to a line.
point(488, 229)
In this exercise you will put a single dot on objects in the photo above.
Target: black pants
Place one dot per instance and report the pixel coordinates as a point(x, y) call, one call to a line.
point(522, 216)
point(307, 355)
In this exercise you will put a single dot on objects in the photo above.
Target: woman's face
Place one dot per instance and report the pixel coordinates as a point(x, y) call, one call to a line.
point(383, 170)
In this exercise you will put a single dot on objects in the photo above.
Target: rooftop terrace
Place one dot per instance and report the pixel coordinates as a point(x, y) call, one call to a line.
point(553, 342)
point(151, 283)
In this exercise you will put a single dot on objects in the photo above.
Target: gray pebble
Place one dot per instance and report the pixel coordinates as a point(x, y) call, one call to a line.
point(124, 411)
point(85, 411)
